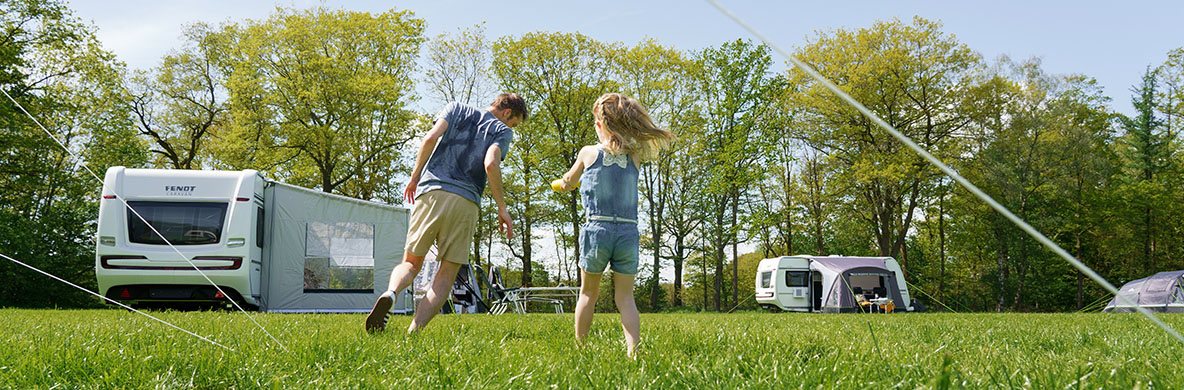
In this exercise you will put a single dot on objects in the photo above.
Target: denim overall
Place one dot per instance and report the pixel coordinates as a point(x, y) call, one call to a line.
point(610, 236)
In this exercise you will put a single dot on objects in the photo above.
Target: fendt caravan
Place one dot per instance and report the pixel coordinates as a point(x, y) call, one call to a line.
point(268, 245)
point(831, 284)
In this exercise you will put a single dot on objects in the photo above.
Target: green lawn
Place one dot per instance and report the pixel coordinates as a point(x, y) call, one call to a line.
point(117, 349)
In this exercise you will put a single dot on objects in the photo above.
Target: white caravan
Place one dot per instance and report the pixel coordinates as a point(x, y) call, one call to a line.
point(269, 245)
point(831, 284)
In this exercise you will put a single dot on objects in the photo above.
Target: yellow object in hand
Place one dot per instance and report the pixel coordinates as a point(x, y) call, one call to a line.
point(558, 185)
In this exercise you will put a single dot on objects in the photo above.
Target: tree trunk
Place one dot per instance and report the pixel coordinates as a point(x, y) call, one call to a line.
point(788, 210)
point(1080, 276)
point(573, 209)
point(656, 220)
point(735, 255)
point(1021, 275)
point(941, 234)
point(903, 231)
point(703, 256)
point(527, 226)
point(904, 261)
point(818, 238)
point(526, 250)
point(719, 245)
point(678, 253)
point(654, 284)
point(1001, 263)
point(1147, 240)
point(1080, 182)
point(477, 235)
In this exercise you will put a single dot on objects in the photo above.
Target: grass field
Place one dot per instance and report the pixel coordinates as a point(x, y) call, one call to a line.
point(117, 349)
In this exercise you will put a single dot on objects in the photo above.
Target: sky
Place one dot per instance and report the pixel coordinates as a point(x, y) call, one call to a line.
point(1111, 41)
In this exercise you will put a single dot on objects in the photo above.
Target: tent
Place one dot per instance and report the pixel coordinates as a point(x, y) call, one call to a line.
point(329, 253)
point(845, 275)
point(1162, 292)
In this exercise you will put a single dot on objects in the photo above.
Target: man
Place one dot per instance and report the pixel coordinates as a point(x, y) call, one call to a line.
point(464, 146)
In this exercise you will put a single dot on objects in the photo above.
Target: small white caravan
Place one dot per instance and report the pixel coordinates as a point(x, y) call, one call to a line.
point(831, 284)
point(268, 245)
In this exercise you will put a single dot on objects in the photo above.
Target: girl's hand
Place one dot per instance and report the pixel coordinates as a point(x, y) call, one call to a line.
point(561, 185)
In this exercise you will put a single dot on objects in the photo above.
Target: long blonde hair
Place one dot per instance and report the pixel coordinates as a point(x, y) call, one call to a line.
point(629, 127)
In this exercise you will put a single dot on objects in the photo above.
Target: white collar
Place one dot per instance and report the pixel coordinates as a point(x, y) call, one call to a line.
point(610, 159)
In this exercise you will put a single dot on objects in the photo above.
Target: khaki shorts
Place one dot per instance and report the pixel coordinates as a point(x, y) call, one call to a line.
point(445, 219)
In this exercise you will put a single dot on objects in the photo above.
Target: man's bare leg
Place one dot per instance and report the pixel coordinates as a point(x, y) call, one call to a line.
point(431, 303)
point(401, 278)
point(405, 272)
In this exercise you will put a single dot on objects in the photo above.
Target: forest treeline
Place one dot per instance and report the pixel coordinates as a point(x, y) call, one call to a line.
point(766, 158)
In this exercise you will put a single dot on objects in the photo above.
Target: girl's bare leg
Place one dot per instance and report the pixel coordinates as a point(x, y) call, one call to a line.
point(586, 305)
point(630, 319)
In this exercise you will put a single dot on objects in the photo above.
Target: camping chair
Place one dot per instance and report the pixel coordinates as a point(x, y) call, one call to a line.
point(862, 301)
point(503, 299)
point(500, 298)
point(466, 291)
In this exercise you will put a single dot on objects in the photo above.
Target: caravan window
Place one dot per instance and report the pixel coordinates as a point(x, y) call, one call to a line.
point(259, 227)
point(797, 278)
point(339, 257)
point(181, 223)
point(767, 279)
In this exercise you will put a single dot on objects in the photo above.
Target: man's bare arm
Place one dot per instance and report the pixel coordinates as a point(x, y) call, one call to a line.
point(421, 158)
point(493, 170)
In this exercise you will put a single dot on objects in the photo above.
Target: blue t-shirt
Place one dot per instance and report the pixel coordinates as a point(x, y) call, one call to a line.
point(458, 163)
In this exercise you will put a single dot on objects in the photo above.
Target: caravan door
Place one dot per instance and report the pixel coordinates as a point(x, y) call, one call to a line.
point(793, 284)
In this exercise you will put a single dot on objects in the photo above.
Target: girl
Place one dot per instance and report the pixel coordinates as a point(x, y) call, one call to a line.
point(609, 173)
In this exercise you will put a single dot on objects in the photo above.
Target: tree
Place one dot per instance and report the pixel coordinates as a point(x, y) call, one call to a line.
point(523, 193)
point(1016, 171)
point(1039, 147)
point(816, 197)
point(319, 98)
point(657, 77)
point(733, 87)
point(778, 149)
point(180, 104)
point(54, 67)
point(912, 76)
point(1146, 152)
point(1171, 92)
point(684, 188)
point(458, 66)
point(559, 75)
